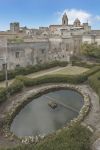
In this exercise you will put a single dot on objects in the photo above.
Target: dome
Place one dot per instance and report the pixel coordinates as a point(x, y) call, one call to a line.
point(77, 20)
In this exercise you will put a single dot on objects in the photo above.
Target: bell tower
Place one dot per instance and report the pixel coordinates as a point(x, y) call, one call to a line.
point(65, 20)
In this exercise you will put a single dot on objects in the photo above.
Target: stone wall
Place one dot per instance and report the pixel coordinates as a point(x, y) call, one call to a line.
point(25, 54)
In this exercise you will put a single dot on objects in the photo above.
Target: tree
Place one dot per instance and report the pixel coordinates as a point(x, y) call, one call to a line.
point(90, 50)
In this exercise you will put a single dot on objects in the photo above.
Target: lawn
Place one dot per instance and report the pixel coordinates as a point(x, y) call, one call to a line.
point(71, 70)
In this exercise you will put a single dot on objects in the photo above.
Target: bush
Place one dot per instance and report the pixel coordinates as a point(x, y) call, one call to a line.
point(15, 87)
point(51, 79)
point(73, 79)
point(3, 94)
point(94, 81)
point(2, 76)
point(76, 137)
point(92, 71)
point(30, 69)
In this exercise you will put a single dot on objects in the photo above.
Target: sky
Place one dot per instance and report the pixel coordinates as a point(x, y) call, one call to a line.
point(35, 13)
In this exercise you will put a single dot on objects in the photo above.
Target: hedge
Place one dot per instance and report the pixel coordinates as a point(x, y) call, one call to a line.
point(30, 69)
point(73, 79)
point(21, 81)
point(51, 79)
point(94, 81)
point(3, 94)
point(76, 137)
point(15, 87)
point(83, 64)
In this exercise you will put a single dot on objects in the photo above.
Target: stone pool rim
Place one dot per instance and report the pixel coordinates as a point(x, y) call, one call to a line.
point(16, 108)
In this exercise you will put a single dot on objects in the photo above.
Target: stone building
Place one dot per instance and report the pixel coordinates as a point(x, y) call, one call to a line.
point(23, 46)
point(14, 27)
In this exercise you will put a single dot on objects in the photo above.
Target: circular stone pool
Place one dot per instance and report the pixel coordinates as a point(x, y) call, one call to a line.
point(38, 118)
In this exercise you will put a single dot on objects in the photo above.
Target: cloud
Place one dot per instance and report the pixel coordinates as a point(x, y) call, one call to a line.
point(97, 18)
point(82, 15)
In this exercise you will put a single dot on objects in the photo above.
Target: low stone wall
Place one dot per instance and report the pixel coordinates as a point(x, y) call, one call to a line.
point(18, 105)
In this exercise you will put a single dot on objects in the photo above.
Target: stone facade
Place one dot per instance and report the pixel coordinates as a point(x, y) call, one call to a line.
point(24, 47)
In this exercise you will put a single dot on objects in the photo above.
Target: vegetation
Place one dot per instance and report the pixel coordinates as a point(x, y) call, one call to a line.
point(56, 78)
point(91, 50)
point(76, 137)
point(30, 69)
point(3, 95)
point(71, 70)
point(16, 40)
point(21, 81)
point(94, 81)
point(15, 87)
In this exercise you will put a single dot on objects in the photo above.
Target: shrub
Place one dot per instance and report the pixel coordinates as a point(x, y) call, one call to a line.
point(76, 137)
point(15, 87)
point(30, 69)
point(74, 79)
point(94, 81)
point(92, 71)
point(2, 76)
point(51, 79)
point(3, 94)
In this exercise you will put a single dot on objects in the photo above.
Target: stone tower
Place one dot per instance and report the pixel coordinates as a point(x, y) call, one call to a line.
point(65, 20)
point(14, 27)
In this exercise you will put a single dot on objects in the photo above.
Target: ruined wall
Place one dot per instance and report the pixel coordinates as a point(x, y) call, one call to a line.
point(3, 51)
point(59, 49)
point(40, 51)
point(25, 54)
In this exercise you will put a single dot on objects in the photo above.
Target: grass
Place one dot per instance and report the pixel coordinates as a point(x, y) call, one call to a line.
point(71, 70)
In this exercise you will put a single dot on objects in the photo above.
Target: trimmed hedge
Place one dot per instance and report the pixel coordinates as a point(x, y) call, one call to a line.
point(83, 64)
point(76, 137)
point(15, 87)
point(21, 81)
point(74, 79)
point(3, 94)
point(94, 81)
point(51, 79)
point(31, 69)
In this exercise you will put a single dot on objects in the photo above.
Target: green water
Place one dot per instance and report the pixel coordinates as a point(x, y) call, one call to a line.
point(38, 118)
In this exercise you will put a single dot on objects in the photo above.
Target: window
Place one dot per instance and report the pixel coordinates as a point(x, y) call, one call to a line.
point(43, 51)
point(4, 66)
point(17, 54)
point(17, 66)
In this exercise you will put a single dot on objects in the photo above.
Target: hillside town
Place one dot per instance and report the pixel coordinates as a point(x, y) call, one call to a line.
point(23, 46)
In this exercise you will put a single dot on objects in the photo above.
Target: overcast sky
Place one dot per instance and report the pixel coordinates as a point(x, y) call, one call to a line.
point(34, 13)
